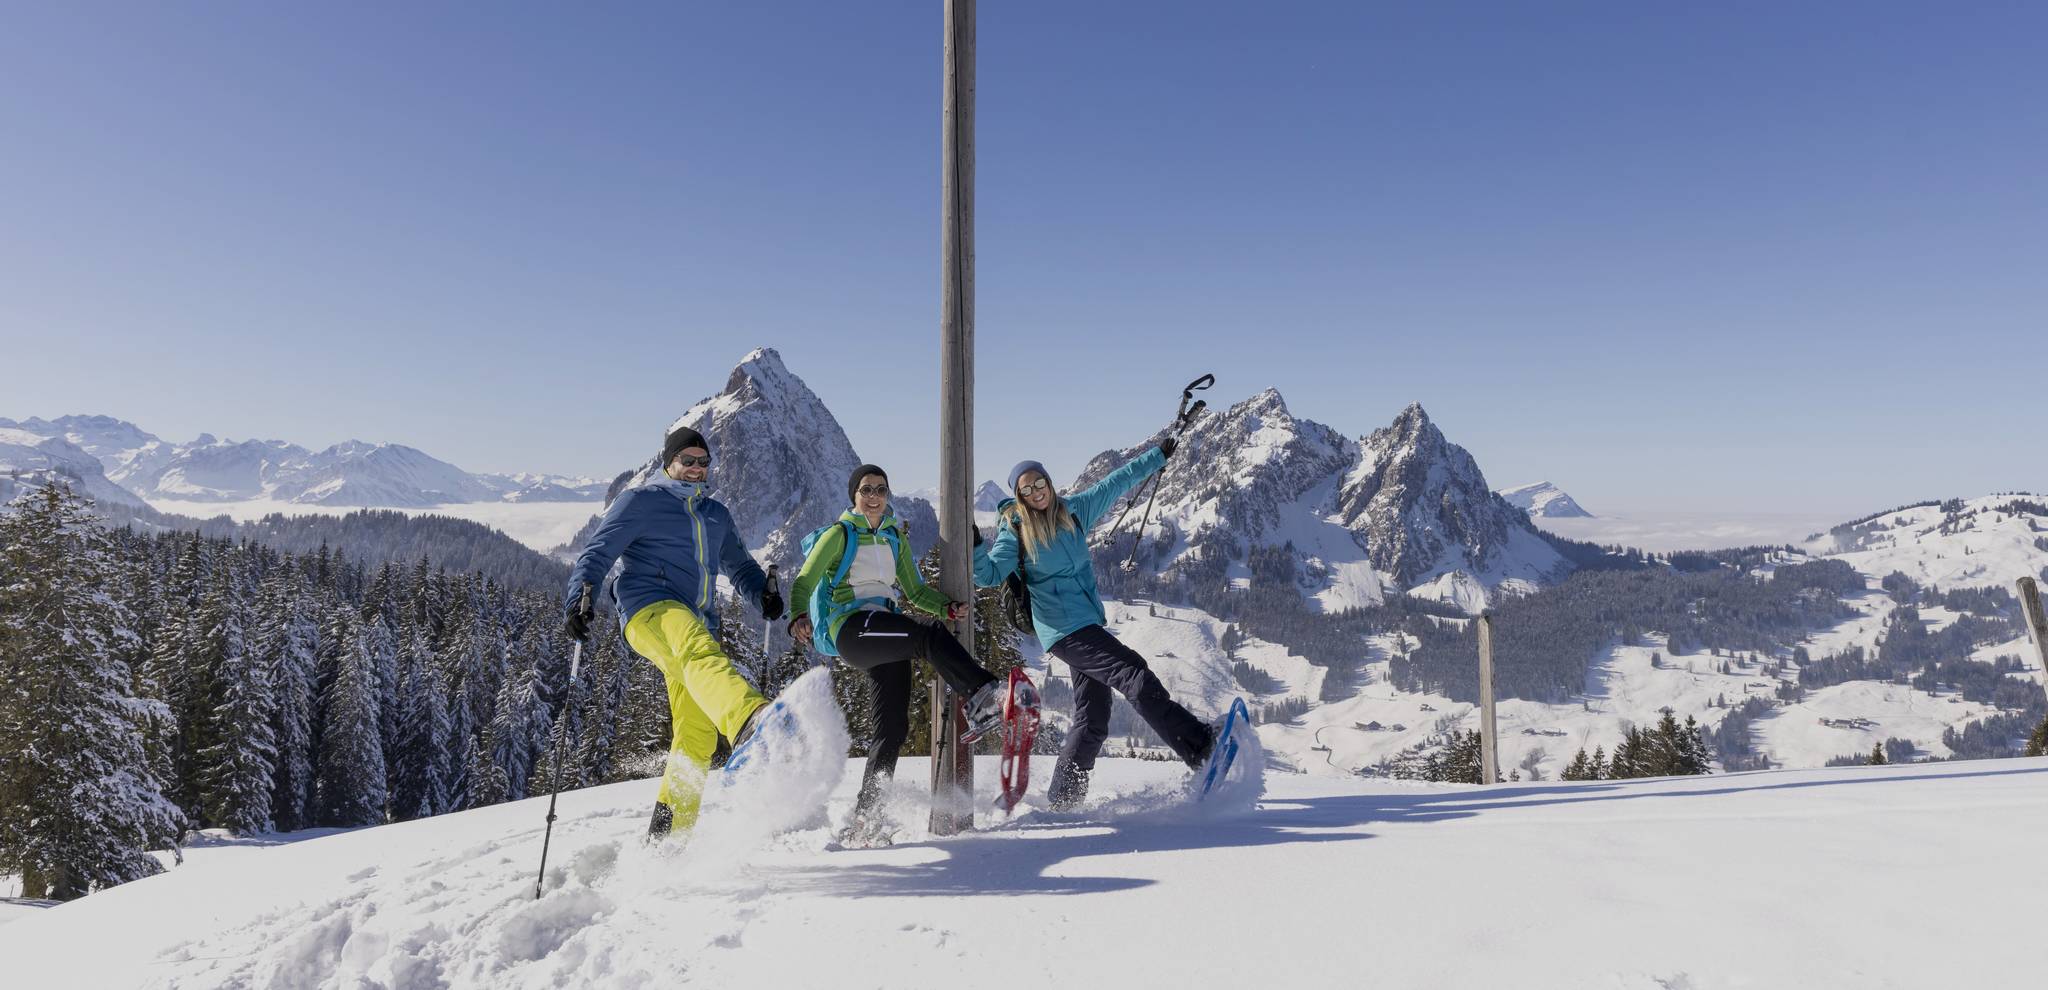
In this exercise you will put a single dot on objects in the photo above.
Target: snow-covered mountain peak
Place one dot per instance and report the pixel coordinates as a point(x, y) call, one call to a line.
point(1424, 509)
point(1545, 500)
point(780, 459)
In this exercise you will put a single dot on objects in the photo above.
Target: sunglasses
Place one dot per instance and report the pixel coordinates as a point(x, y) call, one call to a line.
point(1030, 490)
point(688, 461)
point(873, 489)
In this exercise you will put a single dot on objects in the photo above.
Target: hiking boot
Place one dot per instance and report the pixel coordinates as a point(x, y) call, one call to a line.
point(984, 711)
point(747, 728)
point(1069, 787)
point(1206, 746)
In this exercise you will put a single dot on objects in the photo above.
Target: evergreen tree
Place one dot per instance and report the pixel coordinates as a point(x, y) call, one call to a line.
point(2037, 744)
point(457, 755)
point(597, 745)
point(287, 642)
point(241, 764)
point(1599, 768)
point(1877, 756)
point(519, 730)
point(423, 731)
point(79, 803)
point(351, 765)
point(1580, 768)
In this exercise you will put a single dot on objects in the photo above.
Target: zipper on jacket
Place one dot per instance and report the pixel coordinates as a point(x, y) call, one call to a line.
point(703, 573)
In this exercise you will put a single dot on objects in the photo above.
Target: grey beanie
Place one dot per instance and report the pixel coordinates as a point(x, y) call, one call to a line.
point(1023, 468)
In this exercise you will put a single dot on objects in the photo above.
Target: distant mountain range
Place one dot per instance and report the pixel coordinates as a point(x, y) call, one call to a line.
point(120, 461)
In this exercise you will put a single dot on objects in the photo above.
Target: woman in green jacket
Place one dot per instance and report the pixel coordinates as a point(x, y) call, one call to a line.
point(847, 592)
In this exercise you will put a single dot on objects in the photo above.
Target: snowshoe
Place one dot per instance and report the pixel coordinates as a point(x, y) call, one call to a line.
point(766, 724)
point(1223, 750)
point(1020, 730)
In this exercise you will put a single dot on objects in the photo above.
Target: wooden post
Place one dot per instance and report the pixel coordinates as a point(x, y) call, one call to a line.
point(1489, 737)
point(2037, 624)
point(952, 764)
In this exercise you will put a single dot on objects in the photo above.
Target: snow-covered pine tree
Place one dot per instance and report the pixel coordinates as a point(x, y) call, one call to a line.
point(423, 732)
point(518, 733)
point(241, 764)
point(351, 764)
point(286, 642)
point(381, 644)
point(1600, 769)
point(602, 706)
point(478, 652)
point(456, 756)
point(79, 804)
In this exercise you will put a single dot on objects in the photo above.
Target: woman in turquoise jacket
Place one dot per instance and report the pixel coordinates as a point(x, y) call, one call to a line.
point(1045, 538)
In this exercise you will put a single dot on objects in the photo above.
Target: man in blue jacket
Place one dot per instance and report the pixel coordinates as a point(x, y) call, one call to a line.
point(670, 541)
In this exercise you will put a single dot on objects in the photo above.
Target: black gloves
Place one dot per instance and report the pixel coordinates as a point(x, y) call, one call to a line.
point(581, 611)
point(1166, 446)
point(771, 604)
point(976, 530)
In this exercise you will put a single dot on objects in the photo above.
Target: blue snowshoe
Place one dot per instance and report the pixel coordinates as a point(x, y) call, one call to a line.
point(770, 723)
point(1223, 752)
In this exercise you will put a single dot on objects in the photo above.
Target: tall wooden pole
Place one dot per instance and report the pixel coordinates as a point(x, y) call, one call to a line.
point(1489, 736)
point(952, 764)
point(2037, 624)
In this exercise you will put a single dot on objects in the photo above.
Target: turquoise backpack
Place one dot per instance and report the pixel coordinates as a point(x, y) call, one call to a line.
point(824, 612)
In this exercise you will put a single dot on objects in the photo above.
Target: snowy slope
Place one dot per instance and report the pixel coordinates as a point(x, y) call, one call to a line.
point(1980, 542)
point(1544, 500)
point(1330, 881)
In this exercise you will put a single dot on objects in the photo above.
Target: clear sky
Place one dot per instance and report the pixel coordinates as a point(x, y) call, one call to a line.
point(1746, 256)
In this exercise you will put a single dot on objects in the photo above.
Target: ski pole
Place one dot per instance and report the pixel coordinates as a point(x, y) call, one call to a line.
point(1182, 416)
point(561, 729)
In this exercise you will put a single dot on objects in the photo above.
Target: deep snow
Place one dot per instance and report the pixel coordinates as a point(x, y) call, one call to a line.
point(1901, 876)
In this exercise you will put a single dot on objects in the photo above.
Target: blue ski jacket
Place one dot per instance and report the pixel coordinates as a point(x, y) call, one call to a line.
point(670, 542)
point(1062, 577)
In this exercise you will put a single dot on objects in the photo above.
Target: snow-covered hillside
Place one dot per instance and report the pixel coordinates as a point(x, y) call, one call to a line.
point(1979, 542)
point(1544, 500)
point(1636, 885)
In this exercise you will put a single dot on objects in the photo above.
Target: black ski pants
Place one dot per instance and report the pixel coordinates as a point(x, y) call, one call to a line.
point(1101, 664)
point(883, 644)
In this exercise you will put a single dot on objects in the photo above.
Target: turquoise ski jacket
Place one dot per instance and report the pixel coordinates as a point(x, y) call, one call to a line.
point(1062, 578)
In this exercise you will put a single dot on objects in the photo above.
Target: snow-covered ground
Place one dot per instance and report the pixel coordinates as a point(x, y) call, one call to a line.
point(1662, 532)
point(1982, 547)
point(540, 525)
point(1623, 687)
point(1774, 879)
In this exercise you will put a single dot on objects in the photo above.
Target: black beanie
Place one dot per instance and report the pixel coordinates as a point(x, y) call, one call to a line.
point(680, 439)
point(859, 473)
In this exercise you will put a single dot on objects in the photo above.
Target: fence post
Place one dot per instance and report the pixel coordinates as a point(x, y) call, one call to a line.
point(1489, 737)
point(2037, 624)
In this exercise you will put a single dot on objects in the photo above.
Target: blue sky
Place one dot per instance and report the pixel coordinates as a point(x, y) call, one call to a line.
point(1758, 257)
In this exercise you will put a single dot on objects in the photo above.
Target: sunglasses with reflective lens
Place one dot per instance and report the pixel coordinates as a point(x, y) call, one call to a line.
point(1030, 490)
point(873, 489)
point(688, 461)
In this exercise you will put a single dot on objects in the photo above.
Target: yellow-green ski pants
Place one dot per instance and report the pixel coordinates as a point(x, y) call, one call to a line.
point(707, 698)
